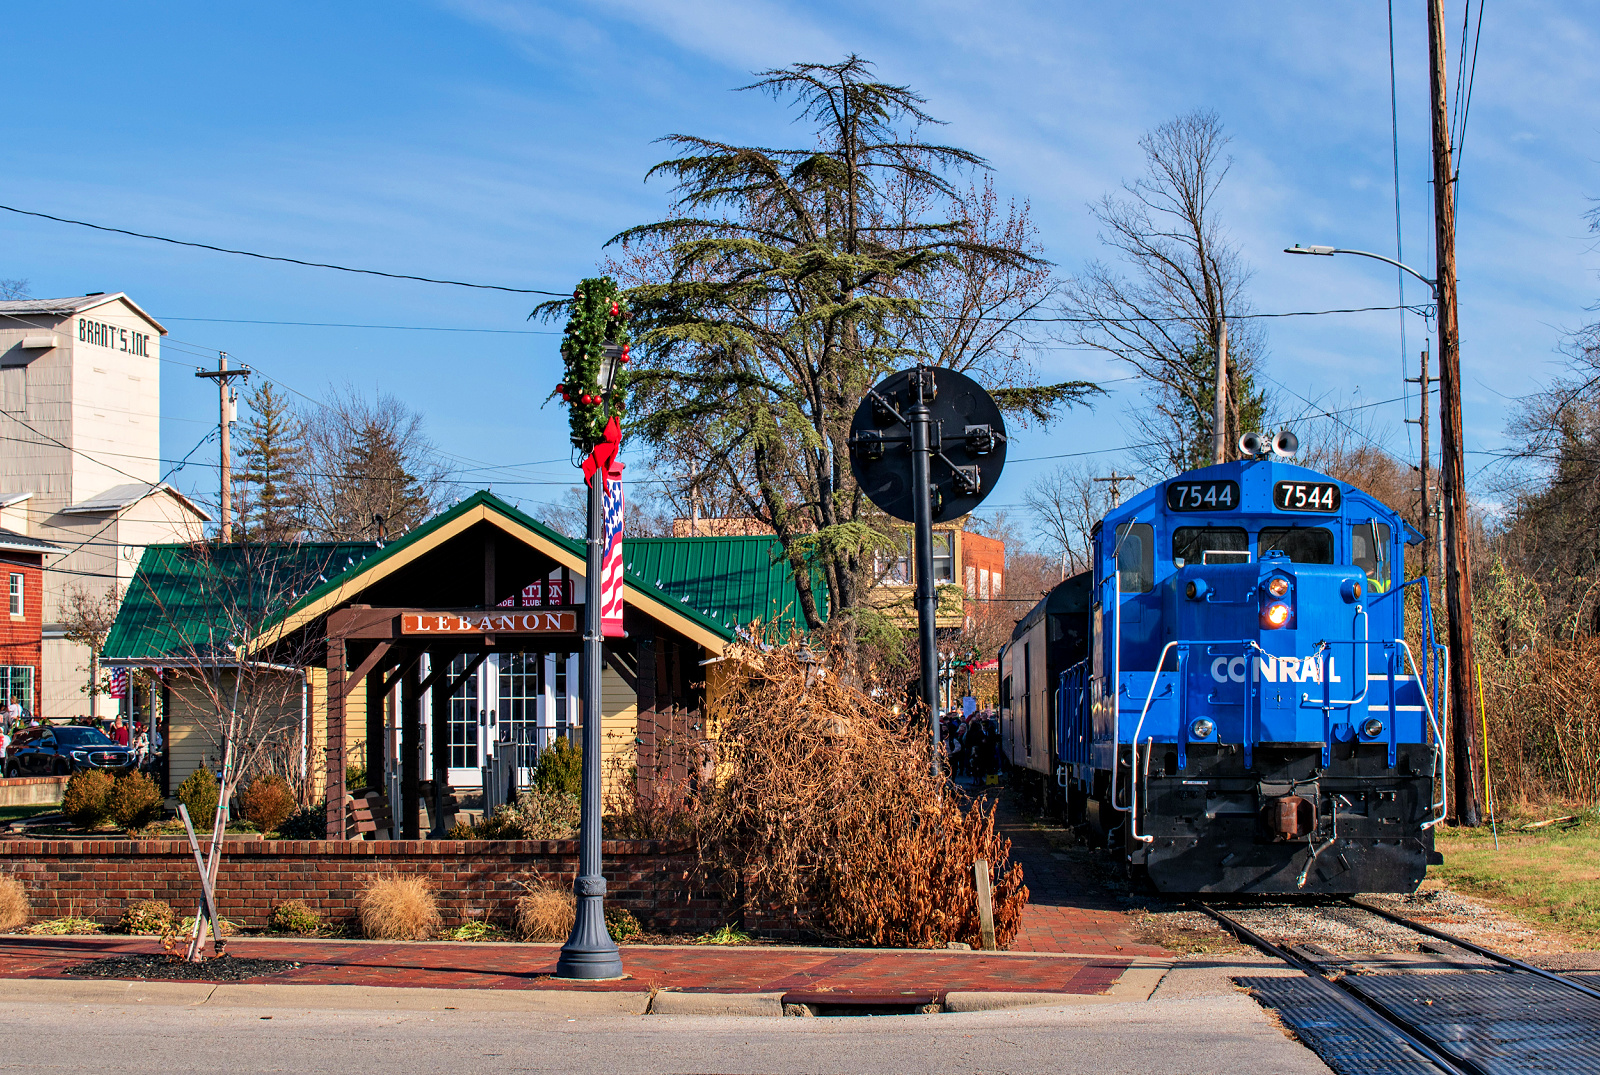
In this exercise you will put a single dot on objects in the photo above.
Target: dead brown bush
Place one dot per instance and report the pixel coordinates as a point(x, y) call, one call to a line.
point(14, 908)
point(398, 908)
point(268, 802)
point(545, 913)
point(819, 798)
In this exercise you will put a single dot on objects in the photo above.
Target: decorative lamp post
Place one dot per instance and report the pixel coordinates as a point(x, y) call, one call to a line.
point(595, 350)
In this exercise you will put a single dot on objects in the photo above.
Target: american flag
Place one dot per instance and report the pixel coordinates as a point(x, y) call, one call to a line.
point(119, 683)
point(611, 561)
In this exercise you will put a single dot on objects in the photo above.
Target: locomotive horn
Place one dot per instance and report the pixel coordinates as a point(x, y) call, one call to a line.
point(1250, 445)
point(1285, 444)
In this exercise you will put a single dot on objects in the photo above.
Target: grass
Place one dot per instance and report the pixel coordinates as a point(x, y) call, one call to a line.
point(9, 814)
point(724, 935)
point(1549, 877)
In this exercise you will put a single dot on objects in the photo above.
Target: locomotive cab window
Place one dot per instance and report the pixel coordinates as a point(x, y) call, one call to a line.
point(1304, 544)
point(1371, 557)
point(1136, 557)
point(1210, 545)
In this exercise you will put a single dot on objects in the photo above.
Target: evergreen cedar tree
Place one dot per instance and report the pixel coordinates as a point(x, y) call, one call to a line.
point(789, 281)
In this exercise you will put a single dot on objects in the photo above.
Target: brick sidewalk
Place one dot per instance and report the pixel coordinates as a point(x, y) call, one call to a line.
point(1068, 911)
point(840, 972)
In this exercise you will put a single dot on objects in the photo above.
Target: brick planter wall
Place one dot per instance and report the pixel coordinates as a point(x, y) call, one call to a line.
point(31, 790)
point(474, 879)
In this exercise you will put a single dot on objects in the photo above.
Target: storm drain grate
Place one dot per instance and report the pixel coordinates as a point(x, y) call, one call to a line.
point(1346, 1042)
point(1502, 1023)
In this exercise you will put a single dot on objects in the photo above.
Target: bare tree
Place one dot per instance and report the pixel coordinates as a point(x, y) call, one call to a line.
point(241, 689)
point(86, 618)
point(13, 289)
point(369, 469)
point(1160, 305)
point(1066, 502)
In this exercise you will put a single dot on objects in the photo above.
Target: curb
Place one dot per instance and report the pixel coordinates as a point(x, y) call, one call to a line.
point(668, 1002)
point(348, 997)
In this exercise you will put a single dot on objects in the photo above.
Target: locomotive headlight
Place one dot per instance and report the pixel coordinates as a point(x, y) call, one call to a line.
point(1372, 728)
point(1278, 587)
point(1274, 616)
point(1202, 728)
point(1196, 590)
point(1350, 590)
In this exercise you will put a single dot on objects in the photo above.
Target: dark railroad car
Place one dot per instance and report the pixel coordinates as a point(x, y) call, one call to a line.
point(1052, 637)
point(1250, 714)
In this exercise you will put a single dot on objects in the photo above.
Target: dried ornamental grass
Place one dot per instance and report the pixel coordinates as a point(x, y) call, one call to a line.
point(14, 909)
point(545, 913)
point(824, 802)
point(398, 908)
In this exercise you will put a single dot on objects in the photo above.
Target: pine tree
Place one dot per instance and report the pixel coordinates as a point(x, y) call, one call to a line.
point(268, 479)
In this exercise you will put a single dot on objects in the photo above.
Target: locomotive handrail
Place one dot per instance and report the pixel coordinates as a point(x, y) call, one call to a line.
point(1116, 656)
point(1443, 804)
point(1365, 640)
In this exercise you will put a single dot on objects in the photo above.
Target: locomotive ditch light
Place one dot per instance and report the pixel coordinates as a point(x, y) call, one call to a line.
point(1278, 587)
point(1372, 727)
point(1350, 589)
point(1274, 616)
point(1196, 590)
point(1202, 728)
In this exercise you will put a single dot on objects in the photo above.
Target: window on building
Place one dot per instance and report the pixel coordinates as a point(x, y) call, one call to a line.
point(1210, 545)
point(1304, 544)
point(944, 556)
point(16, 682)
point(464, 717)
point(16, 593)
point(14, 389)
point(972, 581)
point(902, 571)
point(518, 717)
point(983, 583)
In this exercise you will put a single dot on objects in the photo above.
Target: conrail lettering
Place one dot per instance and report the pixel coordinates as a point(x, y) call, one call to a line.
point(1275, 669)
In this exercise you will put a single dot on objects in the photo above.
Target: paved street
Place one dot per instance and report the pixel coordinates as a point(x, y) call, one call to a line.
point(1215, 1032)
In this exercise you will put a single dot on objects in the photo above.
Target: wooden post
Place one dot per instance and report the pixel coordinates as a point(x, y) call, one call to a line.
point(441, 744)
point(411, 752)
point(1452, 467)
point(1219, 430)
point(980, 871)
point(335, 790)
point(376, 729)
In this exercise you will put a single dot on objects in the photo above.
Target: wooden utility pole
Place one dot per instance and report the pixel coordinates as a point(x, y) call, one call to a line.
point(1116, 481)
point(1422, 467)
point(1219, 428)
point(226, 414)
point(1452, 469)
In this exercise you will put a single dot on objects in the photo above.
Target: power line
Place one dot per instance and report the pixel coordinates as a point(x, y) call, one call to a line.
point(396, 328)
point(275, 257)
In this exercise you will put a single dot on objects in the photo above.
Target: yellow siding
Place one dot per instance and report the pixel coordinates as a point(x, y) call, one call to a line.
point(195, 724)
point(619, 711)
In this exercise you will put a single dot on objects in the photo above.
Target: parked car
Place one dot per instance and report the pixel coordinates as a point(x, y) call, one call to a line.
point(54, 751)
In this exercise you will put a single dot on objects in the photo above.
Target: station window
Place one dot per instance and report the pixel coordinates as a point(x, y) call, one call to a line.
point(1210, 545)
point(16, 594)
point(1304, 544)
point(900, 572)
point(1369, 550)
point(1136, 560)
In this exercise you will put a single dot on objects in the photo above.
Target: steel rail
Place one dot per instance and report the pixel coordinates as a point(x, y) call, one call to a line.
point(1358, 1005)
point(1478, 949)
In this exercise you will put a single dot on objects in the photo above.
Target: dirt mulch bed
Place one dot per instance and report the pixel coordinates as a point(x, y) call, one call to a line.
point(223, 968)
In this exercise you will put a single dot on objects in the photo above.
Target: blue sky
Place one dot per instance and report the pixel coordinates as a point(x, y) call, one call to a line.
point(503, 142)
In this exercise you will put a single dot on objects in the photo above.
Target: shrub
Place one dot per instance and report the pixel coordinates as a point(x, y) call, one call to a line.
point(267, 801)
point(355, 777)
point(294, 916)
point(87, 800)
point(397, 908)
point(154, 918)
point(621, 924)
point(198, 794)
point(135, 800)
point(545, 913)
point(14, 909)
point(310, 823)
point(560, 768)
point(536, 815)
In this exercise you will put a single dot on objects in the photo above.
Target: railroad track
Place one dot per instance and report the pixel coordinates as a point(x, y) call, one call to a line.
point(1475, 1011)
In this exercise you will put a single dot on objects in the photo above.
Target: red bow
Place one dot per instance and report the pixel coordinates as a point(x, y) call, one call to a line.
point(604, 456)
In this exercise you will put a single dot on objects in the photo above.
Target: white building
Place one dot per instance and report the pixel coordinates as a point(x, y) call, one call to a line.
point(80, 425)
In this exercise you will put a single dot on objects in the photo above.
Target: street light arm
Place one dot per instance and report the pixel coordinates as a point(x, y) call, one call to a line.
point(1328, 251)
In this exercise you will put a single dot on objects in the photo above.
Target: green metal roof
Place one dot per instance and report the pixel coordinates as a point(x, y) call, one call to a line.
point(192, 600)
point(172, 607)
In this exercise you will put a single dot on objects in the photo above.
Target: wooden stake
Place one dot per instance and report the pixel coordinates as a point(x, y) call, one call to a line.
point(980, 871)
point(208, 903)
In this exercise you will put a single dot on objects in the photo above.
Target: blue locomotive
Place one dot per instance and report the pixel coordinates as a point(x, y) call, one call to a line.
point(1232, 697)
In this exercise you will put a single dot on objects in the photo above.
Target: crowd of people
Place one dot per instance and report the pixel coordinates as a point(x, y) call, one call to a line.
point(972, 743)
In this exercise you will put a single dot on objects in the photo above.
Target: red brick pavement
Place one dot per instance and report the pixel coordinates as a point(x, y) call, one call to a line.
point(1067, 911)
point(532, 966)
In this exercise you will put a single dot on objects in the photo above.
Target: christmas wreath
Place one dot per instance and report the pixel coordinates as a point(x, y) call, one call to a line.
point(598, 317)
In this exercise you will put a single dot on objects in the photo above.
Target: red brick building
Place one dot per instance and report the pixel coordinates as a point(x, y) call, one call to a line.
point(21, 628)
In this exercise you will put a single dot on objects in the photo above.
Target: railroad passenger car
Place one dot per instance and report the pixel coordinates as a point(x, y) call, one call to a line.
point(1249, 715)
